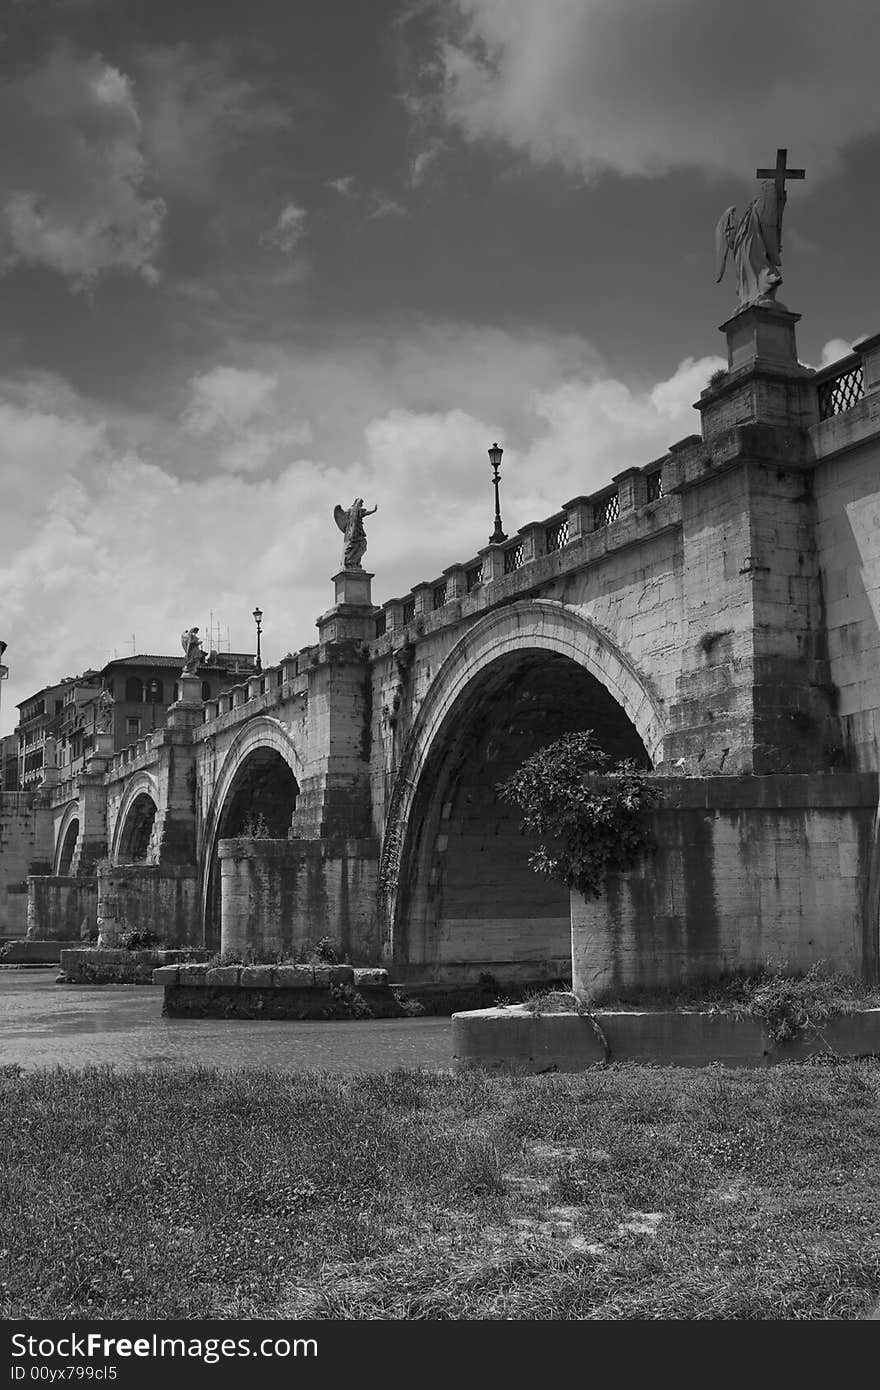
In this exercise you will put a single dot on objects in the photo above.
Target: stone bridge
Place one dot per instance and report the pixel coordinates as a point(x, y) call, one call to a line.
point(713, 615)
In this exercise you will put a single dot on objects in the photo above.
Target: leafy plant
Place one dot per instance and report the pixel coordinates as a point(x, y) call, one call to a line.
point(256, 828)
point(325, 951)
point(790, 1004)
point(140, 940)
point(589, 809)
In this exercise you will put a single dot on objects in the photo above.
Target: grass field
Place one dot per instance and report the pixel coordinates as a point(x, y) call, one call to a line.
point(626, 1193)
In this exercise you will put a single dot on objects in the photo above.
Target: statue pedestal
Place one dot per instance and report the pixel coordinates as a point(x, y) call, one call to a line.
point(186, 711)
point(764, 383)
point(353, 614)
point(353, 586)
point(104, 744)
point(761, 334)
point(101, 753)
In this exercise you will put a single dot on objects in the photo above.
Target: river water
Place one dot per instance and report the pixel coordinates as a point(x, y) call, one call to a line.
point(45, 1025)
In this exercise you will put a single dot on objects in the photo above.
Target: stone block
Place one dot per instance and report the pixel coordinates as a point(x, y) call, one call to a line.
point(327, 975)
point(193, 974)
point(224, 975)
point(370, 976)
point(294, 976)
point(167, 975)
point(257, 976)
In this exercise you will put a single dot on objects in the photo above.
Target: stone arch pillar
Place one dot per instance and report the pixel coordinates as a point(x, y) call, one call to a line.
point(262, 736)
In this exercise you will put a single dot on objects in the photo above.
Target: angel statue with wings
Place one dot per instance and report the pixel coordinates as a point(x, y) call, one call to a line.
point(104, 713)
point(755, 243)
point(351, 523)
point(192, 646)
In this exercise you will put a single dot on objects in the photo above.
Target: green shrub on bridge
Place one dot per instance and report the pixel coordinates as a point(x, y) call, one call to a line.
point(588, 808)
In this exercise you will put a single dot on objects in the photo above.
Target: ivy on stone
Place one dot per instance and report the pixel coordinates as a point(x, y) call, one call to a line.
point(588, 808)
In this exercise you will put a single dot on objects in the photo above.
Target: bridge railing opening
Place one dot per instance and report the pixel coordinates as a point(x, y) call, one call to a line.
point(556, 535)
point(514, 557)
point(840, 386)
point(606, 510)
point(474, 576)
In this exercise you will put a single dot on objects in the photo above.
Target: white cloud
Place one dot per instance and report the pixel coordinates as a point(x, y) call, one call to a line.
point(234, 409)
point(644, 88)
point(833, 350)
point(73, 173)
point(344, 186)
point(289, 229)
point(227, 397)
point(109, 530)
point(422, 163)
point(380, 206)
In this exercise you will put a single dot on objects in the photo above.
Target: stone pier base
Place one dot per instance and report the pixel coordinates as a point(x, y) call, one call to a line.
point(162, 899)
point(62, 908)
point(285, 895)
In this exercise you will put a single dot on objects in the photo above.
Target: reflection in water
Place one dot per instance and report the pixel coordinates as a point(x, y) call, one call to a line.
point(45, 1025)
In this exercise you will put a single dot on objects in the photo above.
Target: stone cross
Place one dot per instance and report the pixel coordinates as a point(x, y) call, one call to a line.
point(779, 174)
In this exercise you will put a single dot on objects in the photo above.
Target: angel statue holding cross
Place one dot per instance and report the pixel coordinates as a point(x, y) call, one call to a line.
point(351, 523)
point(755, 240)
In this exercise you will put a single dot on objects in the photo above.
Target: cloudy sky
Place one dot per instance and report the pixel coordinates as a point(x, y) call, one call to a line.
point(257, 259)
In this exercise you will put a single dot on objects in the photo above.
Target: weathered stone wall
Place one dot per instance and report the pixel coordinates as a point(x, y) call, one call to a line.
point(848, 542)
point(62, 908)
point(24, 847)
point(149, 897)
point(285, 895)
point(747, 872)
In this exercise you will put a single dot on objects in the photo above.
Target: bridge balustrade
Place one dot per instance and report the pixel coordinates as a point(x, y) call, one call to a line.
point(606, 510)
point(840, 386)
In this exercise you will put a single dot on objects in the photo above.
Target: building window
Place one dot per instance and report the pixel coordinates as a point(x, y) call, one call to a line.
point(134, 690)
point(133, 727)
point(206, 690)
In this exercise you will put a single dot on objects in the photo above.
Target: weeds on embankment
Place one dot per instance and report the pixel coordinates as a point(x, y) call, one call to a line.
point(628, 1193)
point(786, 1003)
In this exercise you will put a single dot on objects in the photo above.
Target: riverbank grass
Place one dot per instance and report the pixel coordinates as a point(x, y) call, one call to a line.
point(618, 1193)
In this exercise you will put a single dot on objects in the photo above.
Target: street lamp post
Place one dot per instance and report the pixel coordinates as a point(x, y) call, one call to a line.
point(258, 618)
point(497, 535)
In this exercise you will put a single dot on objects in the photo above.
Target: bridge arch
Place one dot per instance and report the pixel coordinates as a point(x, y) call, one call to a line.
point(133, 831)
point(454, 878)
point(66, 840)
point(257, 788)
